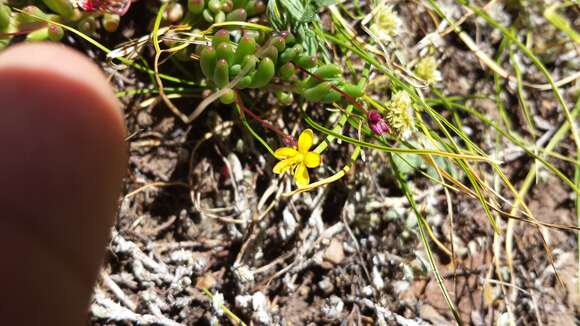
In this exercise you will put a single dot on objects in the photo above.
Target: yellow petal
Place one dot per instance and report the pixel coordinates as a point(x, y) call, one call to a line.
point(305, 141)
point(282, 166)
point(285, 152)
point(301, 176)
point(312, 159)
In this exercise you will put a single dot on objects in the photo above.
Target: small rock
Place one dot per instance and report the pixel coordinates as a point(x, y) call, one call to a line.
point(378, 282)
point(367, 291)
point(334, 253)
point(243, 301)
point(333, 307)
point(181, 256)
point(429, 313)
point(244, 274)
point(326, 286)
point(400, 286)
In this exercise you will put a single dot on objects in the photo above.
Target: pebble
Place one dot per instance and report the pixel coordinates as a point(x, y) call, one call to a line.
point(326, 286)
point(378, 282)
point(334, 253)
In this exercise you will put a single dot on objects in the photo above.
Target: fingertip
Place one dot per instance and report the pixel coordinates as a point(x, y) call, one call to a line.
point(62, 61)
point(63, 156)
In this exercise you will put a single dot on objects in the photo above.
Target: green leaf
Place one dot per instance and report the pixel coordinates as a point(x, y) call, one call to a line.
point(325, 3)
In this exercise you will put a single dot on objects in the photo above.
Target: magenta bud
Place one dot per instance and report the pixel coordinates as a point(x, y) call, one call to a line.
point(377, 123)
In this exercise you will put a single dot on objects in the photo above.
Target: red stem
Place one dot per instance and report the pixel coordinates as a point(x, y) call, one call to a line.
point(285, 137)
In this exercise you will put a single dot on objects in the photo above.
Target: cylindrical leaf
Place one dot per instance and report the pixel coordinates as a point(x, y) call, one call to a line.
point(221, 74)
point(306, 61)
point(64, 8)
point(220, 17)
point(221, 36)
point(287, 71)
point(250, 61)
point(317, 93)
point(207, 16)
point(24, 20)
point(353, 90)
point(285, 98)
point(289, 37)
point(264, 73)
point(235, 69)
point(111, 22)
point(55, 32)
point(287, 56)
point(4, 17)
point(245, 82)
point(174, 12)
point(227, 6)
point(246, 46)
point(255, 7)
point(228, 97)
point(332, 96)
point(214, 6)
point(38, 35)
point(328, 71)
point(279, 42)
point(88, 25)
point(225, 51)
point(239, 14)
point(196, 6)
point(271, 52)
point(207, 61)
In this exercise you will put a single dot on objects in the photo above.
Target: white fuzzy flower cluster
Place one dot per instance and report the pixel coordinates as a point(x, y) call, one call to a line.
point(399, 115)
point(386, 24)
point(426, 69)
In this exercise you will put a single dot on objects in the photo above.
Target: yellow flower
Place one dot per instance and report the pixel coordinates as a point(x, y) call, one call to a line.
point(297, 160)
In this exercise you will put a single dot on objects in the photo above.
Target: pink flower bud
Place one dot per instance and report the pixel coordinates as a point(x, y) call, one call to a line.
point(118, 7)
point(377, 123)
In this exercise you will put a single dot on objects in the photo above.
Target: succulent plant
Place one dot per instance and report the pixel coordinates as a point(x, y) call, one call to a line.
point(253, 65)
point(217, 11)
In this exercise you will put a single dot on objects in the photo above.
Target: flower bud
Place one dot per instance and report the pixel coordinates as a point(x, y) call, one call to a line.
point(376, 123)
